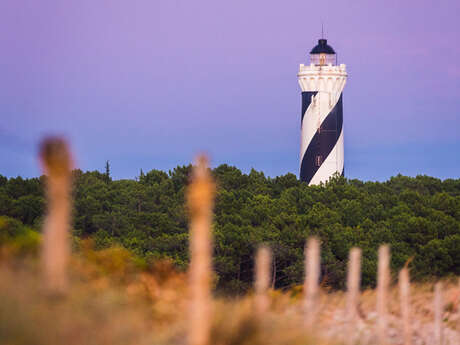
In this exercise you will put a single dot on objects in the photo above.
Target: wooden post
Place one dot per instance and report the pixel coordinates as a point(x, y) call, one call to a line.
point(200, 201)
point(404, 298)
point(312, 267)
point(458, 307)
point(353, 287)
point(57, 165)
point(438, 311)
point(262, 280)
point(383, 281)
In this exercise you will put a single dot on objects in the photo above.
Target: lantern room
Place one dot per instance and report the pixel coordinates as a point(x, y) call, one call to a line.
point(323, 54)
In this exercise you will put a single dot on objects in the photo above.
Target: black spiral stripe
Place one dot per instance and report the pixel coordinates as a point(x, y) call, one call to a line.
point(306, 100)
point(324, 141)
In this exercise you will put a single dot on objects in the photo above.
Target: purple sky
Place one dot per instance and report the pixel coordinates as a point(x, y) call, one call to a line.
point(148, 84)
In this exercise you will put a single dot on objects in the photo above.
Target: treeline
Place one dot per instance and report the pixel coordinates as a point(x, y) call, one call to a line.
point(419, 217)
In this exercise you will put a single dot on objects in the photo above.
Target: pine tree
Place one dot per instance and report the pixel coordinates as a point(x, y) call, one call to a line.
point(107, 172)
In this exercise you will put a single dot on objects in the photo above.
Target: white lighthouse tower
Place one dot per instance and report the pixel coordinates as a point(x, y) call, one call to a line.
point(321, 145)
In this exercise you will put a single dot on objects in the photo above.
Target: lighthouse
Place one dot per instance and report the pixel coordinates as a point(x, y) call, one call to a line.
point(321, 141)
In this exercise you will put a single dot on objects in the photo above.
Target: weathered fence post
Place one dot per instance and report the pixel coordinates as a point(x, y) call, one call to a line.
point(438, 310)
point(200, 201)
point(383, 281)
point(57, 165)
point(312, 267)
point(458, 307)
point(404, 298)
point(353, 287)
point(262, 280)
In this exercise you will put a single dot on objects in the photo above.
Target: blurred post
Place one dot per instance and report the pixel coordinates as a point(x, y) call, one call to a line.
point(262, 280)
point(383, 281)
point(200, 201)
point(438, 311)
point(404, 297)
point(57, 165)
point(353, 287)
point(312, 267)
point(458, 308)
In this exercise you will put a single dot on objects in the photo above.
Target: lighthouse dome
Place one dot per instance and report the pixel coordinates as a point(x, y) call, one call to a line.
point(322, 48)
point(323, 54)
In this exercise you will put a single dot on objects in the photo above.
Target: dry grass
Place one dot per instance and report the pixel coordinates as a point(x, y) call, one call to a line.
point(112, 301)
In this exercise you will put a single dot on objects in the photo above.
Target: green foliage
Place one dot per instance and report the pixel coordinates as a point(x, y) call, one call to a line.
point(116, 261)
point(419, 217)
point(17, 238)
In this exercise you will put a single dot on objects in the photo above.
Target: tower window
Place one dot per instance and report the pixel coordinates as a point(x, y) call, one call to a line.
point(318, 160)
